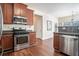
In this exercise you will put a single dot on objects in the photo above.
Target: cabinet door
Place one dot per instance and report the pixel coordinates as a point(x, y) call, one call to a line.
point(56, 41)
point(7, 9)
point(23, 10)
point(4, 12)
point(7, 13)
point(32, 37)
point(17, 9)
point(29, 14)
point(7, 41)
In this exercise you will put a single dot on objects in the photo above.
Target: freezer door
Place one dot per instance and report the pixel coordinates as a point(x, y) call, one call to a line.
point(1, 21)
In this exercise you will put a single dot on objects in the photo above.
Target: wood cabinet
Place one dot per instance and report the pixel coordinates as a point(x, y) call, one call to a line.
point(22, 10)
point(29, 16)
point(7, 9)
point(56, 41)
point(17, 9)
point(32, 38)
point(7, 41)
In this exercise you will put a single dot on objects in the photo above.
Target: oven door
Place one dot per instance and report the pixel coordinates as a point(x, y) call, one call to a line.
point(21, 41)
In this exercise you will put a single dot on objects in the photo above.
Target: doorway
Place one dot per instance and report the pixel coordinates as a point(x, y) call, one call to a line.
point(38, 25)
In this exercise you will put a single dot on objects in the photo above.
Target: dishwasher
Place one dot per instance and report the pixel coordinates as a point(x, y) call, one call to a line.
point(69, 45)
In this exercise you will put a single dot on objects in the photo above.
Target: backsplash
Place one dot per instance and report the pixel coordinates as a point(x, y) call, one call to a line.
point(11, 26)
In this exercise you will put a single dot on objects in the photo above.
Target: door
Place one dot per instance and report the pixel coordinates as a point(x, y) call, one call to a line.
point(57, 41)
point(7, 12)
point(1, 22)
point(23, 10)
point(7, 42)
point(38, 26)
point(29, 15)
point(17, 9)
point(32, 38)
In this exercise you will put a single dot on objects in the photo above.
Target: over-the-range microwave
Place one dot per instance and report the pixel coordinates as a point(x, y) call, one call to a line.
point(19, 20)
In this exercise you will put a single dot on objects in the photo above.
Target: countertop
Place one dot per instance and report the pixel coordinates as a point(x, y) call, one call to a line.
point(11, 32)
point(7, 32)
point(65, 33)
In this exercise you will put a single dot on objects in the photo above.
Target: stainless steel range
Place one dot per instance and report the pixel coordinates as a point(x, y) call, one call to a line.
point(21, 39)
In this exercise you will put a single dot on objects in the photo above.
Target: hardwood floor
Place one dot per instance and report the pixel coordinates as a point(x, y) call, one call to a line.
point(42, 48)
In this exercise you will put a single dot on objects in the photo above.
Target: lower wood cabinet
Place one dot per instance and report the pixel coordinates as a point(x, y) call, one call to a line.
point(32, 37)
point(7, 42)
point(56, 41)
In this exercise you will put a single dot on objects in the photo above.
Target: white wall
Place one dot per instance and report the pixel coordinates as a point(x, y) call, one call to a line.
point(46, 34)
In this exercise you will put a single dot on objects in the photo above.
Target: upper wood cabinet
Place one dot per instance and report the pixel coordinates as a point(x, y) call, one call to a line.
point(22, 10)
point(30, 16)
point(7, 9)
point(17, 9)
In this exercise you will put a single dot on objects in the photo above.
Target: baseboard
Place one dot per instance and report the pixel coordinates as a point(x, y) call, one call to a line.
point(39, 38)
point(47, 38)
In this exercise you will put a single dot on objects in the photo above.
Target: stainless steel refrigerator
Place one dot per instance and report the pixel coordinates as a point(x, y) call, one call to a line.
point(1, 25)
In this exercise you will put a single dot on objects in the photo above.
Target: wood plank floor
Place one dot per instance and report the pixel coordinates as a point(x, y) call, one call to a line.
point(42, 48)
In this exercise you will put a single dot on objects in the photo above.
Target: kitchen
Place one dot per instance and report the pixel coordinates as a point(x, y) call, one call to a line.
point(58, 37)
point(17, 25)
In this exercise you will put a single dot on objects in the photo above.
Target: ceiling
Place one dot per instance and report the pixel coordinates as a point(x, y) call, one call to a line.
point(56, 9)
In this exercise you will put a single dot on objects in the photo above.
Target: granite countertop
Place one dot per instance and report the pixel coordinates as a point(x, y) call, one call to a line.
point(65, 33)
point(7, 32)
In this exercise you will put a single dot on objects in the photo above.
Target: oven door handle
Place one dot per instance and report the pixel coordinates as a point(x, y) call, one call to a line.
point(21, 35)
